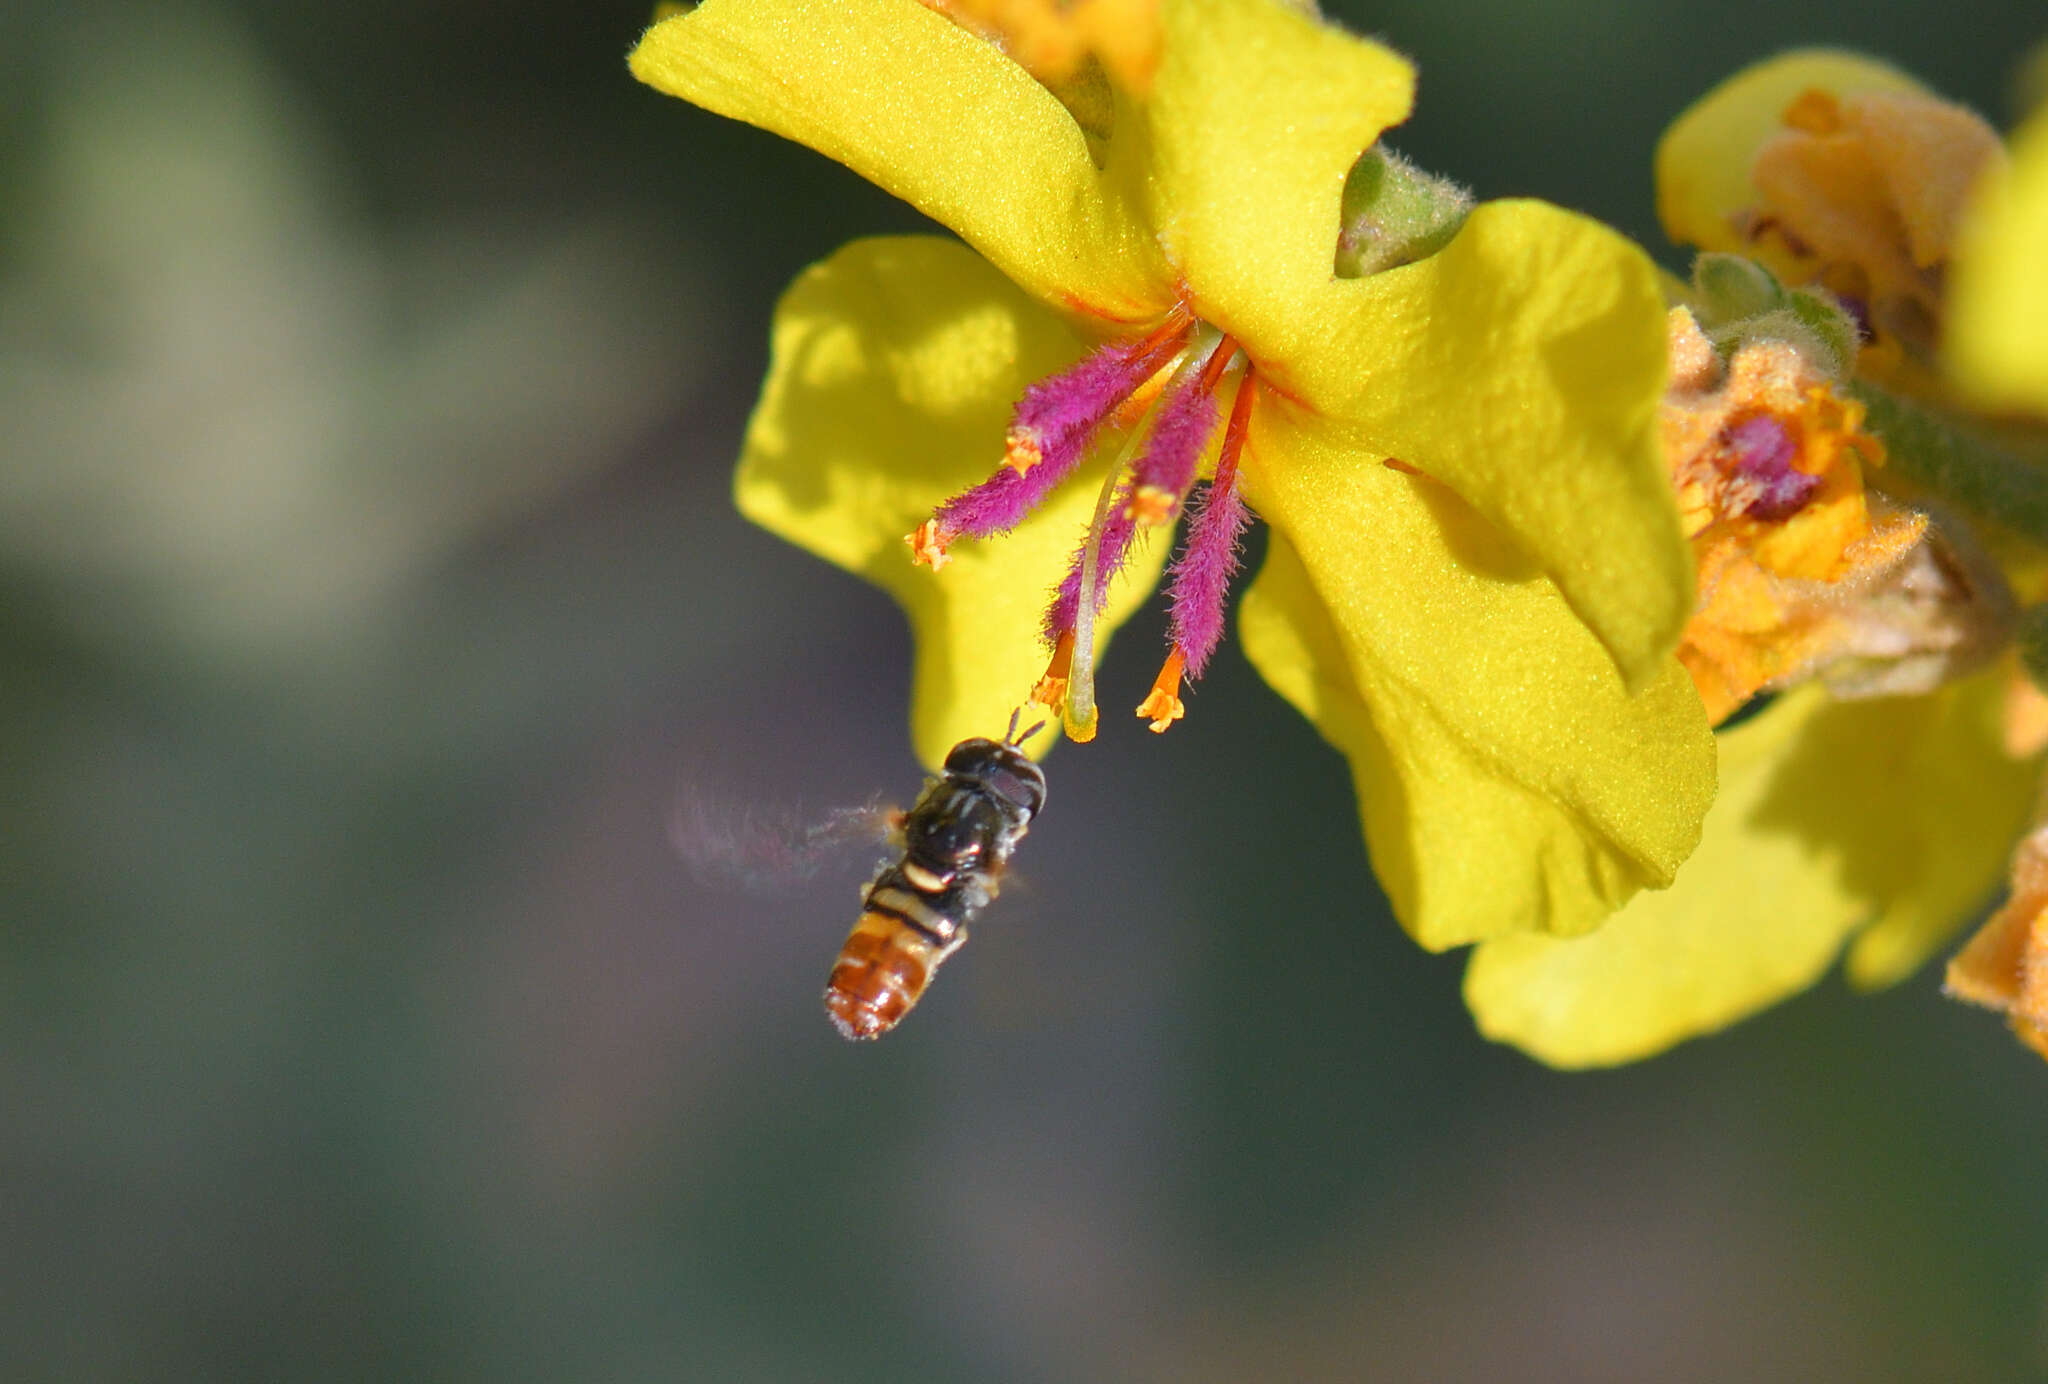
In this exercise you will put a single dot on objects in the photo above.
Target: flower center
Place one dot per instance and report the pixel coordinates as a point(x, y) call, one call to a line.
point(1803, 571)
point(1160, 391)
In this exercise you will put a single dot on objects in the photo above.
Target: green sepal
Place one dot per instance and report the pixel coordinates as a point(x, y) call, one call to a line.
point(1737, 300)
point(1393, 214)
point(1830, 324)
point(1729, 288)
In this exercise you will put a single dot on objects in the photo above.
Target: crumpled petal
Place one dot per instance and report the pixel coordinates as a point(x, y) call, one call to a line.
point(921, 108)
point(1257, 114)
point(1929, 153)
point(892, 372)
point(1522, 366)
point(2004, 966)
point(1831, 816)
point(1997, 340)
point(1704, 161)
point(1506, 779)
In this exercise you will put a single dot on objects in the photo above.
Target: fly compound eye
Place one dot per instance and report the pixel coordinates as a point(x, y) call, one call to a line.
point(1015, 788)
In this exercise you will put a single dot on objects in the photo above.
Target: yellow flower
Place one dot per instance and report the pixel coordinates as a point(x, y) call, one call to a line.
point(1836, 170)
point(1466, 627)
point(1875, 825)
point(1998, 315)
point(1997, 349)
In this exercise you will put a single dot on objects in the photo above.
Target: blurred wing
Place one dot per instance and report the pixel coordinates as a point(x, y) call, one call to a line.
point(768, 849)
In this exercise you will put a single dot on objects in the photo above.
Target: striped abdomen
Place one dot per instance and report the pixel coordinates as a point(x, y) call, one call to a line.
point(886, 962)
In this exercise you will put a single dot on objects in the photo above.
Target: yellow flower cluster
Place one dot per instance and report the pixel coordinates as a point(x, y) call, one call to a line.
point(1880, 824)
point(1534, 529)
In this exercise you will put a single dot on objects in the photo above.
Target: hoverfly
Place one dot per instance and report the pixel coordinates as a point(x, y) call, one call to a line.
point(956, 839)
point(952, 846)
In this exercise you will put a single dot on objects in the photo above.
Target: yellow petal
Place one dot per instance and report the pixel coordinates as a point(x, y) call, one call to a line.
point(1704, 160)
point(893, 369)
point(1505, 778)
point(1997, 339)
point(923, 109)
point(1820, 826)
point(1256, 116)
point(1967, 804)
point(1522, 366)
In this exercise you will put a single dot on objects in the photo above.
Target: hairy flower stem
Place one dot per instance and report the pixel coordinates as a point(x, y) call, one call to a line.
point(1957, 463)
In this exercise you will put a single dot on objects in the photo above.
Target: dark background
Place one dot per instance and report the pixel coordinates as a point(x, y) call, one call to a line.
point(370, 377)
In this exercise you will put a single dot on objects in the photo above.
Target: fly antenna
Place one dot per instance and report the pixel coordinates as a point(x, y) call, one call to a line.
point(1011, 737)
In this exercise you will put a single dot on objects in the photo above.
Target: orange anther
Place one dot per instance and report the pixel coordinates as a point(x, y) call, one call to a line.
point(1151, 504)
point(928, 545)
point(1051, 689)
point(1162, 705)
point(1021, 452)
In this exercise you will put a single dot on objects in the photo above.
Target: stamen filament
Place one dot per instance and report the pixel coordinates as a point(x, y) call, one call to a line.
point(1220, 359)
point(1170, 332)
point(1081, 715)
point(1208, 558)
point(1181, 426)
point(1049, 435)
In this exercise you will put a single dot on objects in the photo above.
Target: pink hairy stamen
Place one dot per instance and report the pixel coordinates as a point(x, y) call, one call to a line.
point(1160, 479)
point(1166, 472)
point(1200, 583)
point(1115, 547)
point(1050, 432)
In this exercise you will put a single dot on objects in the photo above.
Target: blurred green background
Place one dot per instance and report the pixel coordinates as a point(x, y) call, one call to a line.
point(370, 376)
